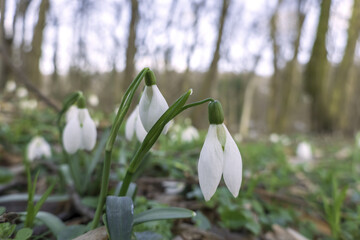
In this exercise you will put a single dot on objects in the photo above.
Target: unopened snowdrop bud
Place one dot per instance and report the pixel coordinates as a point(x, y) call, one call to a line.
point(219, 156)
point(38, 148)
point(80, 130)
point(152, 103)
point(134, 125)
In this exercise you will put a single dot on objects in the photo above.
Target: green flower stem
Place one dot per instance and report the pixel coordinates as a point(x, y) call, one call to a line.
point(124, 107)
point(153, 135)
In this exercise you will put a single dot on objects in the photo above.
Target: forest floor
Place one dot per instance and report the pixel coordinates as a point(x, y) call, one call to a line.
point(282, 195)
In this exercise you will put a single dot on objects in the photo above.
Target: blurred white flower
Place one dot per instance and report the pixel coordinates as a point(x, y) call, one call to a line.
point(285, 140)
point(303, 151)
point(79, 132)
point(152, 105)
point(219, 155)
point(38, 148)
point(274, 138)
point(93, 100)
point(10, 86)
point(21, 92)
point(189, 134)
point(28, 104)
point(71, 112)
point(134, 125)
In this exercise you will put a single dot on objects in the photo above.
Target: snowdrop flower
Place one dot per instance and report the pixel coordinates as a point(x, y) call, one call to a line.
point(93, 100)
point(189, 134)
point(28, 104)
point(38, 148)
point(152, 103)
point(134, 125)
point(80, 130)
point(274, 138)
point(21, 92)
point(10, 86)
point(303, 151)
point(71, 112)
point(219, 156)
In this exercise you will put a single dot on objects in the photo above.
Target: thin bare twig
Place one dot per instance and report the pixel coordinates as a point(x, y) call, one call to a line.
point(21, 77)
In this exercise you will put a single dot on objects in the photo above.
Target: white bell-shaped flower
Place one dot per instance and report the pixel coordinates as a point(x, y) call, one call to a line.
point(219, 156)
point(152, 103)
point(38, 148)
point(134, 125)
point(71, 112)
point(79, 132)
point(304, 152)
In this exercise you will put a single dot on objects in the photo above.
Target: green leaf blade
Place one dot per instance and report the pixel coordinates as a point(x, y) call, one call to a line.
point(163, 214)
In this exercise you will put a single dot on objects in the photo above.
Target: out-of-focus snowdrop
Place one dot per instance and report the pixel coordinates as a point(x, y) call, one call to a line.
point(274, 138)
point(93, 100)
point(189, 134)
point(38, 148)
point(21, 92)
point(80, 130)
point(10, 86)
point(134, 126)
point(285, 140)
point(30, 104)
point(304, 152)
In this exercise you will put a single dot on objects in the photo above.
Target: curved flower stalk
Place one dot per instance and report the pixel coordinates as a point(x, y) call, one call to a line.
point(219, 156)
point(134, 126)
point(38, 148)
point(80, 130)
point(152, 103)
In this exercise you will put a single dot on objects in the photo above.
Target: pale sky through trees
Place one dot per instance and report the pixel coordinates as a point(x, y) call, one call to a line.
point(241, 40)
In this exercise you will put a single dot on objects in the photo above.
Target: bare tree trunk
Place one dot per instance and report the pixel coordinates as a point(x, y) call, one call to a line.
point(131, 48)
point(292, 79)
point(209, 82)
point(275, 97)
point(340, 98)
point(316, 74)
point(33, 57)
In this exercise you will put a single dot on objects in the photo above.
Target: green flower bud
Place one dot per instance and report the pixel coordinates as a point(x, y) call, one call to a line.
point(150, 78)
point(81, 102)
point(216, 113)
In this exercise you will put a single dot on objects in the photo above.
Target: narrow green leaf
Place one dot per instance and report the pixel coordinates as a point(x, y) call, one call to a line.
point(131, 190)
point(162, 214)
point(119, 217)
point(43, 198)
point(51, 221)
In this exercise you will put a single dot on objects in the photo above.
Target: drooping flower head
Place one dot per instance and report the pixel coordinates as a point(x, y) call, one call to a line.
point(219, 156)
point(134, 125)
point(38, 148)
point(80, 129)
point(152, 103)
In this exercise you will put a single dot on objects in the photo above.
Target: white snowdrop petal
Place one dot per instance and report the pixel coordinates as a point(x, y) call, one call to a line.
point(210, 164)
point(71, 112)
point(130, 124)
point(139, 129)
point(72, 136)
point(31, 151)
point(144, 106)
point(232, 165)
point(152, 105)
point(88, 133)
